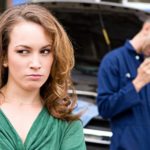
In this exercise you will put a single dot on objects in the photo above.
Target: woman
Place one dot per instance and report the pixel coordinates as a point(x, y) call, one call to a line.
point(36, 58)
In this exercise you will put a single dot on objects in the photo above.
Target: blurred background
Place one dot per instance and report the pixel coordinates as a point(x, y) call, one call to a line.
point(141, 4)
point(85, 21)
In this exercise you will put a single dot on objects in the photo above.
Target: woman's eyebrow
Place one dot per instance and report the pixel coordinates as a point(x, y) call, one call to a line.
point(48, 45)
point(25, 46)
point(28, 47)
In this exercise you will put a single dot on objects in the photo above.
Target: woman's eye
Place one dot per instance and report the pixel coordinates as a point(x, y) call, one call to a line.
point(23, 51)
point(45, 51)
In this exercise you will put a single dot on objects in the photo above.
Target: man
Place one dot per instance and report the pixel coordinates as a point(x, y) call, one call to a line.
point(124, 92)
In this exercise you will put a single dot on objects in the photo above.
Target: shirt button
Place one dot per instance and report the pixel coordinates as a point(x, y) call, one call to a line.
point(137, 57)
point(128, 75)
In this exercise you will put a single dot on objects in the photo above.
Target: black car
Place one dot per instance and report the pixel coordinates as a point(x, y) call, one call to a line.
point(95, 28)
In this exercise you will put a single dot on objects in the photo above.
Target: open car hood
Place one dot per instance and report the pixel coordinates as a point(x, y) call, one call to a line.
point(94, 29)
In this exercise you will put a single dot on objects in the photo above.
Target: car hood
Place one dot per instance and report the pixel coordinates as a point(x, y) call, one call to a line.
point(94, 29)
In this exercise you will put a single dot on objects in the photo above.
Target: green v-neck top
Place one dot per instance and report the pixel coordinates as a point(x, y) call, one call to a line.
point(46, 133)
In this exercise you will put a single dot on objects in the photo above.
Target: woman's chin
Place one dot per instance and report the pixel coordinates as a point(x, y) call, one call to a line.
point(32, 87)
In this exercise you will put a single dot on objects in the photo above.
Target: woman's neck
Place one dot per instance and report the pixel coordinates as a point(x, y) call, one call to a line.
point(20, 97)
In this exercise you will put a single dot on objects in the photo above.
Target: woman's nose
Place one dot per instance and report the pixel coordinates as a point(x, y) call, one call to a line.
point(35, 63)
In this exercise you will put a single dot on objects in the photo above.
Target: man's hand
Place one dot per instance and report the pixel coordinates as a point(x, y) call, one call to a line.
point(143, 75)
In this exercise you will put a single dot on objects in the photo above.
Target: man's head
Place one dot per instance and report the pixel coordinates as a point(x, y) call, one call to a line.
point(141, 41)
point(145, 43)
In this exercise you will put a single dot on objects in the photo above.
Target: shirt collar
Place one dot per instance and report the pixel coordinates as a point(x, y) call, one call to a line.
point(129, 47)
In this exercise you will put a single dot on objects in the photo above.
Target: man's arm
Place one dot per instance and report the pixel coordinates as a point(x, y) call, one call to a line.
point(112, 99)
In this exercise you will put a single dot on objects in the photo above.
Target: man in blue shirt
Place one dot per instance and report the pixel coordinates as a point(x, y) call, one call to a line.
point(124, 92)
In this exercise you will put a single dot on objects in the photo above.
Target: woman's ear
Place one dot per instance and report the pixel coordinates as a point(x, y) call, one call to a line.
point(5, 63)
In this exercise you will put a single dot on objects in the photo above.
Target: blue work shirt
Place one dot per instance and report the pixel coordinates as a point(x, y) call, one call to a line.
point(127, 109)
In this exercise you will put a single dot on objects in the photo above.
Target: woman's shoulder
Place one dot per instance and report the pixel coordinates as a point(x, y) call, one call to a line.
point(72, 129)
point(61, 127)
point(69, 124)
point(64, 125)
point(77, 124)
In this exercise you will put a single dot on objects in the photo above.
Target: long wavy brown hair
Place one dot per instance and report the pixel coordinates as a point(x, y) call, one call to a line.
point(54, 92)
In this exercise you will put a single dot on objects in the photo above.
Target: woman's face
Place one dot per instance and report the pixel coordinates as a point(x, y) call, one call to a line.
point(29, 56)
